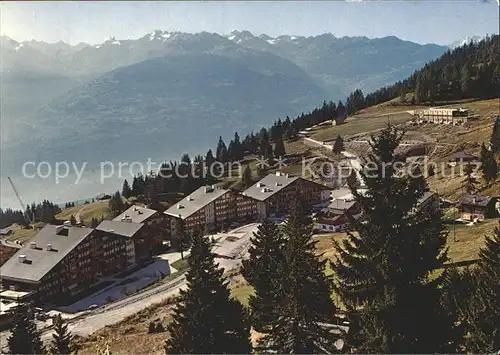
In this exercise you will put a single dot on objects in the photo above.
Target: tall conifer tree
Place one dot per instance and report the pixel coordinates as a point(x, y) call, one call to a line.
point(62, 339)
point(24, 337)
point(482, 309)
point(489, 166)
point(338, 145)
point(263, 270)
point(207, 320)
point(307, 305)
point(383, 273)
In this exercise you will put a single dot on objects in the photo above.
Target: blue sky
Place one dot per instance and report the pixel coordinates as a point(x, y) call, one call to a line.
point(421, 21)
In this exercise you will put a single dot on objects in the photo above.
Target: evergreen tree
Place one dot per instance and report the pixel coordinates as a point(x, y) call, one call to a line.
point(483, 307)
point(72, 220)
point(341, 110)
point(465, 80)
point(247, 176)
point(138, 185)
point(183, 239)
point(298, 327)
point(279, 147)
point(264, 271)
point(382, 274)
point(126, 190)
point(265, 148)
point(473, 295)
point(209, 159)
point(338, 145)
point(352, 180)
point(469, 182)
point(495, 137)
point(237, 152)
point(115, 204)
point(24, 337)
point(207, 320)
point(489, 257)
point(489, 166)
point(402, 96)
point(221, 152)
point(62, 339)
point(94, 222)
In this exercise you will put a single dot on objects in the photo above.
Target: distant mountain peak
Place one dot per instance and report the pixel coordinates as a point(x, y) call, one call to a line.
point(159, 35)
point(112, 40)
point(466, 40)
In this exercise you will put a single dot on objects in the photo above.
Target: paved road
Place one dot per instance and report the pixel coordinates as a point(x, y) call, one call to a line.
point(233, 252)
point(117, 311)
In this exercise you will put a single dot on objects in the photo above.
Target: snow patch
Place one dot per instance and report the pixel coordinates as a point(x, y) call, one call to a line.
point(293, 38)
point(231, 37)
point(271, 41)
point(19, 46)
point(166, 35)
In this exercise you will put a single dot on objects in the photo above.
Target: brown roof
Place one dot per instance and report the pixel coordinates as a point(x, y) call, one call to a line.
point(334, 221)
point(463, 155)
point(473, 200)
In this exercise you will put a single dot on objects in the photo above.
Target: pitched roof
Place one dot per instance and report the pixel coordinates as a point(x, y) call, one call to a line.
point(340, 206)
point(269, 185)
point(125, 229)
point(463, 155)
point(481, 201)
point(136, 214)
point(39, 260)
point(331, 221)
point(195, 201)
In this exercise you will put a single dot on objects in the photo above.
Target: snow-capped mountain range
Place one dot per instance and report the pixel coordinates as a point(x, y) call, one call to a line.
point(466, 40)
point(170, 91)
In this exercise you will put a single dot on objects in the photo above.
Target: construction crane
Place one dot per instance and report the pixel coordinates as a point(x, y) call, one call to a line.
point(30, 220)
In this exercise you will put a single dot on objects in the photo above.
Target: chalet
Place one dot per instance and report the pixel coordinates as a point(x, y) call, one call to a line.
point(335, 217)
point(476, 208)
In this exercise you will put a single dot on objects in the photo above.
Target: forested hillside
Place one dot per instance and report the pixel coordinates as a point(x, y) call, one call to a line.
point(470, 71)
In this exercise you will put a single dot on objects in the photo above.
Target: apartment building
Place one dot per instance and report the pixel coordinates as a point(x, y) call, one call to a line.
point(209, 208)
point(61, 261)
point(134, 237)
point(153, 231)
point(455, 116)
point(276, 193)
